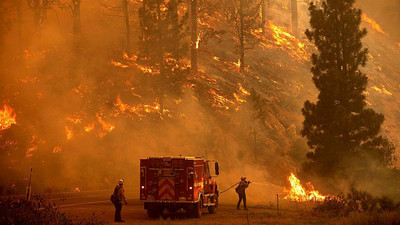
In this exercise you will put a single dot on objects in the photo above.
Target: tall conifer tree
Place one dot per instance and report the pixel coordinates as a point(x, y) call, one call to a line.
point(339, 128)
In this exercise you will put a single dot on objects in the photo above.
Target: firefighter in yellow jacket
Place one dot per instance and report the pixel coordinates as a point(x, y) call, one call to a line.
point(241, 190)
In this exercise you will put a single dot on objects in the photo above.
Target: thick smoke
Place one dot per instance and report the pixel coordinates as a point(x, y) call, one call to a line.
point(56, 87)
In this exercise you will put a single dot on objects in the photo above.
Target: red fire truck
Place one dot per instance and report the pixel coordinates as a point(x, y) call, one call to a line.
point(178, 183)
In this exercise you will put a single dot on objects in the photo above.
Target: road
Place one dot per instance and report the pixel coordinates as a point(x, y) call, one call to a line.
point(85, 205)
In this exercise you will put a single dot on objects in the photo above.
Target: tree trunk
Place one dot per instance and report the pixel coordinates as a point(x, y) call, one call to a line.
point(128, 29)
point(77, 17)
point(263, 15)
point(19, 22)
point(193, 35)
point(294, 18)
point(241, 36)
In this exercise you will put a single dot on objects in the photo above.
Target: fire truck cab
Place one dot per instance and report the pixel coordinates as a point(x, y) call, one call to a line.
point(178, 183)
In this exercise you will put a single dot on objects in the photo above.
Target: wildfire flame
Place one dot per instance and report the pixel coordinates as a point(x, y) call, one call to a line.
point(7, 117)
point(220, 101)
point(69, 133)
point(197, 42)
point(283, 39)
point(373, 23)
point(299, 194)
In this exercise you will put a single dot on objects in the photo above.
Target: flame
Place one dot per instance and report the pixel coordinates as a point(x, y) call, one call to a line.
point(242, 90)
point(88, 128)
point(69, 133)
point(7, 117)
point(373, 23)
point(382, 90)
point(283, 39)
point(107, 127)
point(217, 59)
point(118, 64)
point(299, 194)
point(237, 64)
point(198, 41)
point(57, 149)
point(220, 101)
point(138, 109)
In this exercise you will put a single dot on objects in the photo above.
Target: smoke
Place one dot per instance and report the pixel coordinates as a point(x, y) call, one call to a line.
point(55, 86)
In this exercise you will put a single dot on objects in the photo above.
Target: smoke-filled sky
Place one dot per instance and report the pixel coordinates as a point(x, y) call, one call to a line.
point(85, 114)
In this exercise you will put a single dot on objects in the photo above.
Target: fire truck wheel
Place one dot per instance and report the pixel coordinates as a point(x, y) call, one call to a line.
point(153, 212)
point(197, 209)
point(213, 209)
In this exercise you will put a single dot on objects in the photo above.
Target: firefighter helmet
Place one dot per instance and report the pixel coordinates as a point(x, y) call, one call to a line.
point(243, 178)
point(121, 181)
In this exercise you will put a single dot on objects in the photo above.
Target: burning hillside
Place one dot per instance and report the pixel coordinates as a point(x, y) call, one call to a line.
point(85, 108)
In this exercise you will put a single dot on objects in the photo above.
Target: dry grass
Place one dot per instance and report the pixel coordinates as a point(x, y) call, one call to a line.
point(385, 218)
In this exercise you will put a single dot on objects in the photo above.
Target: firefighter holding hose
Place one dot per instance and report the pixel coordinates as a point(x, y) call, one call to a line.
point(117, 197)
point(241, 190)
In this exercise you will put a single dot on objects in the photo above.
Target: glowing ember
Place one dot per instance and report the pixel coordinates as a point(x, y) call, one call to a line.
point(7, 117)
point(373, 23)
point(299, 194)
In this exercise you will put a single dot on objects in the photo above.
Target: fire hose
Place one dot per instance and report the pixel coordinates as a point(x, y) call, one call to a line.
point(228, 188)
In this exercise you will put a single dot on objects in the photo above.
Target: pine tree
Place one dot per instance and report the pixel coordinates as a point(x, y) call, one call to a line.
point(339, 128)
point(161, 47)
point(245, 17)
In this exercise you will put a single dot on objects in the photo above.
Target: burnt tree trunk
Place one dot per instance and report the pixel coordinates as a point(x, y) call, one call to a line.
point(241, 36)
point(263, 15)
point(19, 22)
point(295, 22)
point(39, 9)
point(76, 11)
point(125, 7)
point(193, 36)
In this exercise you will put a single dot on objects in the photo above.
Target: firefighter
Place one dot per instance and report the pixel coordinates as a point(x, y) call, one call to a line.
point(119, 193)
point(241, 190)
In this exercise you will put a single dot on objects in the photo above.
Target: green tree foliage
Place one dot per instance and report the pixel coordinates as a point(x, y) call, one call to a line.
point(340, 130)
point(161, 47)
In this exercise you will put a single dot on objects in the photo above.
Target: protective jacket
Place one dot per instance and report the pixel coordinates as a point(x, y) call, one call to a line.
point(120, 194)
point(242, 187)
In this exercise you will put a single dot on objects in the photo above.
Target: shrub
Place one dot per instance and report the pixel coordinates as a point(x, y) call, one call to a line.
point(35, 212)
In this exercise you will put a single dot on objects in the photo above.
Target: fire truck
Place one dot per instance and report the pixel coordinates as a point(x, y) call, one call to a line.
point(178, 184)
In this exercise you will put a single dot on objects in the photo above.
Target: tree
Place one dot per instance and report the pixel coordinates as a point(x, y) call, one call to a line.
point(125, 7)
point(193, 36)
point(245, 16)
point(39, 9)
point(161, 47)
point(295, 21)
point(339, 128)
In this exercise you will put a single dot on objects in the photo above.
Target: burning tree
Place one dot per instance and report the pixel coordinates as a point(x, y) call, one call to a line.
point(245, 16)
point(161, 48)
point(341, 131)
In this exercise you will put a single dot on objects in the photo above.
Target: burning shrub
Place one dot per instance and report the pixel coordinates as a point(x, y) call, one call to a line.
point(36, 211)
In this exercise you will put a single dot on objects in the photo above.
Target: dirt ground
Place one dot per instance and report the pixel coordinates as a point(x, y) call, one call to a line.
point(98, 205)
